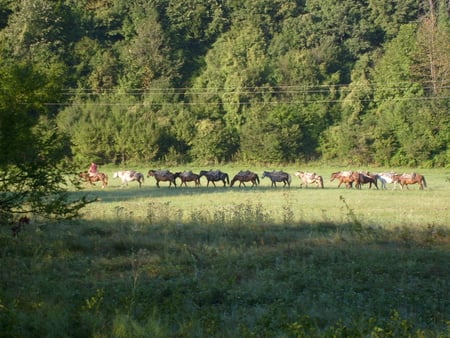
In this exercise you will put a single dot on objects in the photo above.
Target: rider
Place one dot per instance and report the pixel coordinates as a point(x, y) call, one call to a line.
point(93, 170)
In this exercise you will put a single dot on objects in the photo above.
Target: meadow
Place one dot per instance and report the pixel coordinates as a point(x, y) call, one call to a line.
point(235, 262)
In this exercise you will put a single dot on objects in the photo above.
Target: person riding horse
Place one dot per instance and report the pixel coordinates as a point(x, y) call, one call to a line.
point(93, 170)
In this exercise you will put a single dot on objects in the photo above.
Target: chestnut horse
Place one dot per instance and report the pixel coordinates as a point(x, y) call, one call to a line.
point(162, 175)
point(309, 178)
point(188, 176)
point(245, 176)
point(99, 177)
point(347, 177)
point(406, 179)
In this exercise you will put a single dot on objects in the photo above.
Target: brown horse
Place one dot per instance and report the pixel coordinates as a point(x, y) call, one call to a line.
point(278, 176)
point(347, 177)
point(214, 176)
point(100, 177)
point(309, 178)
point(245, 176)
point(188, 176)
point(406, 179)
point(365, 178)
point(164, 176)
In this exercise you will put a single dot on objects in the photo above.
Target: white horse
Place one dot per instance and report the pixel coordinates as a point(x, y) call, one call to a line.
point(387, 178)
point(309, 178)
point(129, 176)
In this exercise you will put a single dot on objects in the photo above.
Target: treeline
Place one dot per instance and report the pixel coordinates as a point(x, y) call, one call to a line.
point(123, 81)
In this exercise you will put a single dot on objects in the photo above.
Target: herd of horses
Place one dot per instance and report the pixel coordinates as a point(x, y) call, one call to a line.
point(351, 179)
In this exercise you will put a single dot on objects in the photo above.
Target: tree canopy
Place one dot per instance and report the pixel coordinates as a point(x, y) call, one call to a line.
point(33, 173)
point(361, 81)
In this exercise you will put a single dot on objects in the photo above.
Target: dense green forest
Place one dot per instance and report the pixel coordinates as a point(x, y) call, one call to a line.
point(209, 81)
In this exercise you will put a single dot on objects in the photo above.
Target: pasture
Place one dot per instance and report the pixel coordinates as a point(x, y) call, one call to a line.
point(235, 262)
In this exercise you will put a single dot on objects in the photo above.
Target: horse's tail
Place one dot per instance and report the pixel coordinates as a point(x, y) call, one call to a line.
point(289, 178)
point(321, 181)
point(257, 178)
point(424, 181)
point(227, 178)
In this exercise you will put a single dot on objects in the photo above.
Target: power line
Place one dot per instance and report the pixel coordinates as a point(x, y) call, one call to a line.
point(239, 103)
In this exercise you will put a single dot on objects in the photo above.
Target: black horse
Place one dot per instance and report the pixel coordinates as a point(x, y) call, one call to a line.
point(278, 176)
point(214, 176)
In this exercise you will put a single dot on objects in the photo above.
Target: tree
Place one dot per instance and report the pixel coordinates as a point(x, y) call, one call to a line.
point(214, 143)
point(34, 178)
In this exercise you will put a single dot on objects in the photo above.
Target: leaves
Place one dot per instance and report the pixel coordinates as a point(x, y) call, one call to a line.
point(140, 78)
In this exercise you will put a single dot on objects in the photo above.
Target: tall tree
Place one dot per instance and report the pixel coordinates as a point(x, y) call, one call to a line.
point(33, 173)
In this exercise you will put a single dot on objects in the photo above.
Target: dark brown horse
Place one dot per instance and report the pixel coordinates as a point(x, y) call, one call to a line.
point(278, 176)
point(214, 176)
point(245, 176)
point(162, 175)
point(347, 177)
point(406, 179)
point(100, 177)
point(188, 176)
point(365, 178)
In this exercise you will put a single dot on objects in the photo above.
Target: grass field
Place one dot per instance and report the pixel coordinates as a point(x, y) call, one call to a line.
point(235, 262)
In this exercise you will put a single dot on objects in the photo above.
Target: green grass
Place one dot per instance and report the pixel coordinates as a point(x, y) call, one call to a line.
point(235, 262)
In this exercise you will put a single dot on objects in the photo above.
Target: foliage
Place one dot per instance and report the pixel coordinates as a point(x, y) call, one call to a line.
point(32, 168)
point(351, 79)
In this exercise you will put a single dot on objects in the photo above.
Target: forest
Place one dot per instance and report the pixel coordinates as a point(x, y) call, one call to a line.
point(215, 81)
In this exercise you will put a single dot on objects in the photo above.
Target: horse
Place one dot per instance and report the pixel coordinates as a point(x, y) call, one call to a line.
point(365, 178)
point(188, 176)
point(387, 178)
point(129, 176)
point(278, 176)
point(214, 176)
point(309, 178)
point(406, 179)
point(162, 175)
point(99, 177)
point(347, 177)
point(245, 176)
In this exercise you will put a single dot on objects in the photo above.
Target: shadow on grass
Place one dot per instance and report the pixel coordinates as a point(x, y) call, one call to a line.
point(129, 193)
point(228, 275)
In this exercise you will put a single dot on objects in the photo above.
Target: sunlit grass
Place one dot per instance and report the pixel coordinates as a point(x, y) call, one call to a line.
point(234, 262)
